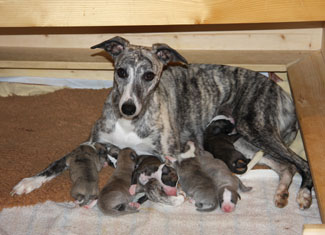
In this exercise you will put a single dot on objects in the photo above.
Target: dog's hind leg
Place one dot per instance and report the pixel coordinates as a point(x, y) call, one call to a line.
point(27, 185)
point(285, 170)
point(272, 144)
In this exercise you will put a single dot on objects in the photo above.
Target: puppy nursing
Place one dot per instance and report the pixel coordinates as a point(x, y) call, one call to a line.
point(208, 180)
point(226, 183)
point(218, 142)
point(115, 199)
point(156, 180)
point(194, 181)
point(85, 162)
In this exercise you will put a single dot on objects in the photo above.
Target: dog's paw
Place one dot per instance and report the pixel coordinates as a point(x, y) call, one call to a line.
point(304, 198)
point(27, 185)
point(281, 198)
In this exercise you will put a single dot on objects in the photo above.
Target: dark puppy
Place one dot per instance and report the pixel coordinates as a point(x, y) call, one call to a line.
point(85, 162)
point(218, 142)
point(115, 199)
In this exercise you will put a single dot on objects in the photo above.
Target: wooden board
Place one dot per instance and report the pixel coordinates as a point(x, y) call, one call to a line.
point(34, 13)
point(86, 59)
point(303, 37)
point(307, 80)
point(314, 229)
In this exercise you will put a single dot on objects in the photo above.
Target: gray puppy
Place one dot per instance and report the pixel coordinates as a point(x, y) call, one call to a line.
point(226, 183)
point(194, 181)
point(85, 162)
point(115, 199)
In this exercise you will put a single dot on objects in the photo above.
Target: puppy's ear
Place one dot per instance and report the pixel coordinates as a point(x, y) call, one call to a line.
point(101, 148)
point(113, 46)
point(134, 156)
point(114, 151)
point(167, 54)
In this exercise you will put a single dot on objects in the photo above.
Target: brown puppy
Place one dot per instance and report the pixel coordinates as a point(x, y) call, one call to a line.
point(115, 199)
point(194, 181)
point(85, 162)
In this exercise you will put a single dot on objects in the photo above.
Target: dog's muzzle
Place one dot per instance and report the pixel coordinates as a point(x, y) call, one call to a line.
point(128, 108)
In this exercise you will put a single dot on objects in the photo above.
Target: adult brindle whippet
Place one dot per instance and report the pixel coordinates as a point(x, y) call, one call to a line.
point(159, 102)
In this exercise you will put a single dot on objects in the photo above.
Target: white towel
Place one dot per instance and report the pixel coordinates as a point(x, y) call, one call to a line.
point(255, 214)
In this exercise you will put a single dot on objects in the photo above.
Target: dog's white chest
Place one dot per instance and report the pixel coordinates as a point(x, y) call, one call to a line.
point(124, 136)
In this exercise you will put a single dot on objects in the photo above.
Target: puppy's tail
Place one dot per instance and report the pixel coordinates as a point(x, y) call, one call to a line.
point(242, 187)
point(205, 207)
point(121, 209)
point(115, 203)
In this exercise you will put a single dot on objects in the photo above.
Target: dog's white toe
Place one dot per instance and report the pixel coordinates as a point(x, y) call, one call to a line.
point(27, 185)
point(304, 198)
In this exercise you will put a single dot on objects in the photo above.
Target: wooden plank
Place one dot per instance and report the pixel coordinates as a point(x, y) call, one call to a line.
point(74, 58)
point(41, 13)
point(323, 42)
point(307, 80)
point(59, 73)
point(309, 38)
point(314, 229)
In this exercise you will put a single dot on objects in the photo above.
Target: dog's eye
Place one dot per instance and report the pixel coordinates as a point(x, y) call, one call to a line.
point(122, 73)
point(148, 76)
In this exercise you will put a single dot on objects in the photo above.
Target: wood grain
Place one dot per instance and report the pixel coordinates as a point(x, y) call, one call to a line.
point(263, 39)
point(86, 59)
point(40, 13)
point(307, 80)
point(314, 229)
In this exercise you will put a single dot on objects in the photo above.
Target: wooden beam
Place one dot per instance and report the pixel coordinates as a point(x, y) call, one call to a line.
point(40, 13)
point(314, 229)
point(59, 73)
point(307, 80)
point(308, 37)
point(86, 59)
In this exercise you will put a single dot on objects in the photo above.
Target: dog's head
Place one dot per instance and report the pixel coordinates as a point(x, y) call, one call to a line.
point(137, 71)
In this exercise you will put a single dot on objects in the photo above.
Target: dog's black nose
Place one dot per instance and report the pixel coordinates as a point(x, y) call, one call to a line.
point(128, 108)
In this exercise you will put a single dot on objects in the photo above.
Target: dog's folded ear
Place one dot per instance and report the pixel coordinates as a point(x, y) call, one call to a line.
point(113, 46)
point(167, 54)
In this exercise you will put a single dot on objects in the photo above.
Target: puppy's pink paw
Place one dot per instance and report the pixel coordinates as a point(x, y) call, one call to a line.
point(134, 204)
point(91, 204)
point(132, 189)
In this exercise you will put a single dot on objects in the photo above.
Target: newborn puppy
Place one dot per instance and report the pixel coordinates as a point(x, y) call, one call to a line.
point(218, 142)
point(194, 181)
point(155, 192)
point(226, 183)
point(147, 164)
point(115, 199)
point(85, 162)
point(156, 180)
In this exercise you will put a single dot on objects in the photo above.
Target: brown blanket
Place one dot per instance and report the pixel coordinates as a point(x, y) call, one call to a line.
point(37, 130)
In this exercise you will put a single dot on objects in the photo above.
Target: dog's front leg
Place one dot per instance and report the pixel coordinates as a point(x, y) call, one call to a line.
point(29, 184)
